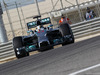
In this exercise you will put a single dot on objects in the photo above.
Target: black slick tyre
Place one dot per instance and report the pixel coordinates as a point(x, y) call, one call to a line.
point(65, 29)
point(17, 43)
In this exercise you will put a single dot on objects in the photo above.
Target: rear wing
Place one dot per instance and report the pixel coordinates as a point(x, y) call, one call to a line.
point(34, 23)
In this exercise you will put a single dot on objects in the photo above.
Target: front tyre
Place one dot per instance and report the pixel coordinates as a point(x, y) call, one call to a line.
point(65, 29)
point(18, 43)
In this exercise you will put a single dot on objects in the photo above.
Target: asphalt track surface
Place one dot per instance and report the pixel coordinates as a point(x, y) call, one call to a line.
point(60, 61)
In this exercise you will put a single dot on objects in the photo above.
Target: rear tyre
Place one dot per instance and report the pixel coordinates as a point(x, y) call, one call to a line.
point(17, 43)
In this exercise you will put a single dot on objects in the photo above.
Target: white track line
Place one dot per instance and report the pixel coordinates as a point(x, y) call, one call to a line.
point(86, 69)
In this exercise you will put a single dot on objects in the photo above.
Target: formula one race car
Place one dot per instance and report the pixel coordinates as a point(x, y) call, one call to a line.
point(43, 38)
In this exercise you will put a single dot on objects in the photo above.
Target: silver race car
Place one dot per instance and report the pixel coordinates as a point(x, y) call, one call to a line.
point(43, 38)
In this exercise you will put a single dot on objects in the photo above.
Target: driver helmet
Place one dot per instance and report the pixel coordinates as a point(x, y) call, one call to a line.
point(38, 22)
